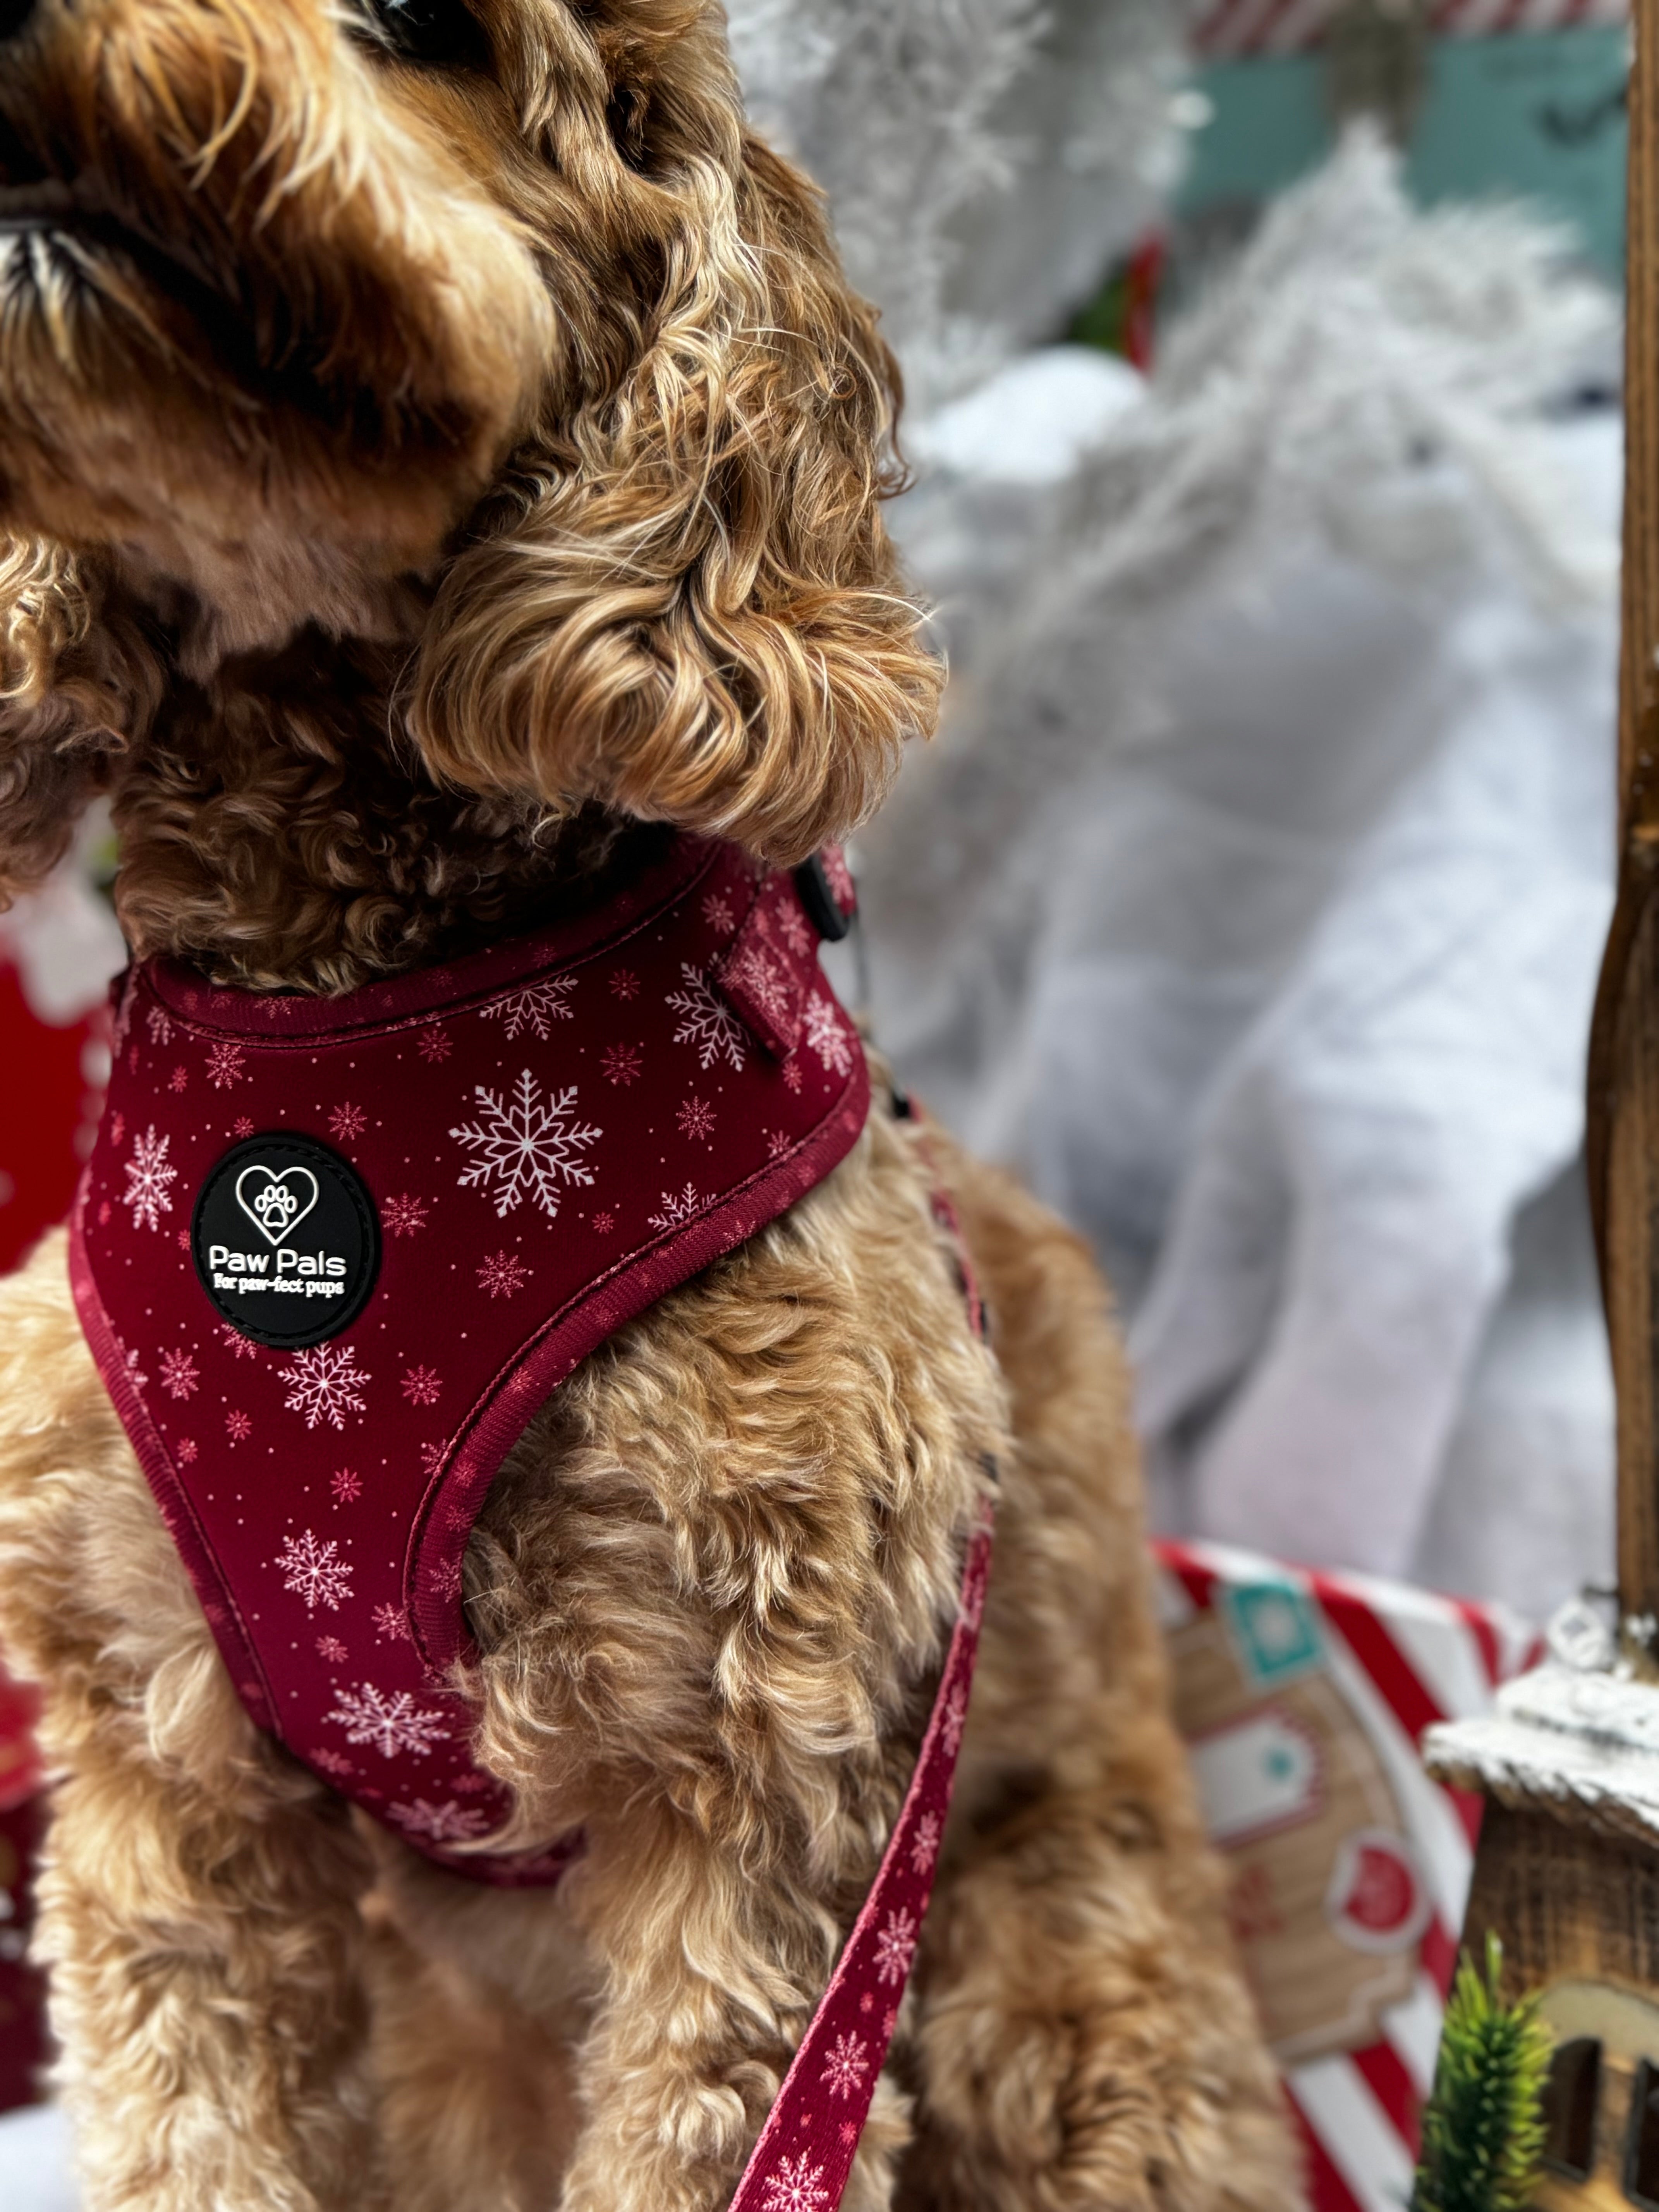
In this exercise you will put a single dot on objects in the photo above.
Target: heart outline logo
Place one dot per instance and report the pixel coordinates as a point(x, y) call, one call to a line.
point(275, 1202)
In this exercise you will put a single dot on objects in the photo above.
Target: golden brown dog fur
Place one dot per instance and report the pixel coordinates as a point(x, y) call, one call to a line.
point(412, 477)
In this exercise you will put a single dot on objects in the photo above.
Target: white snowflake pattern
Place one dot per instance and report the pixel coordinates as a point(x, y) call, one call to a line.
point(179, 1373)
point(347, 1123)
point(707, 1022)
point(150, 1178)
point(160, 1026)
point(973, 1601)
point(238, 1426)
point(798, 933)
point(621, 1063)
point(525, 1145)
point(695, 1118)
point(392, 1721)
point(625, 984)
point(792, 2187)
point(403, 1216)
point(845, 2067)
point(502, 1275)
point(535, 1008)
point(224, 1065)
point(956, 1715)
point(240, 1346)
point(135, 1374)
point(678, 1207)
point(448, 1823)
point(330, 1648)
point(422, 1386)
point(717, 913)
point(896, 1946)
point(313, 1568)
point(924, 1844)
point(432, 1458)
point(325, 1385)
point(391, 1623)
point(838, 876)
point(436, 1045)
point(826, 1036)
point(332, 1762)
point(759, 974)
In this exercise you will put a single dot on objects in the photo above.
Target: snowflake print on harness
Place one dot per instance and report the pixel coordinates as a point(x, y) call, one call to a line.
point(325, 1385)
point(448, 1823)
point(845, 2067)
point(826, 1037)
point(179, 1373)
point(392, 1722)
point(149, 1180)
point(678, 1207)
point(535, 1008)
point(347, 1123)
point(526, 1146)
point(792, 2187)
point(896, 1946)
point(224, 1065)
point(502, 1275)
point(706, 1023)
point(403, 1216)
point(759, 974)
point(695, 1119)
point(314, 1571)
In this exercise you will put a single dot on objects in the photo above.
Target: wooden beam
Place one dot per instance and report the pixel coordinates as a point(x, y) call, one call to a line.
point(1622, 1126)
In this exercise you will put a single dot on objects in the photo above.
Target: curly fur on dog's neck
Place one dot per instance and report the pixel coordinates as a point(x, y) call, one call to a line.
point(277, 832)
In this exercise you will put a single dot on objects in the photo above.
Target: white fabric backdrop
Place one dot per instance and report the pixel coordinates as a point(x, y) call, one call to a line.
point(1252, 900)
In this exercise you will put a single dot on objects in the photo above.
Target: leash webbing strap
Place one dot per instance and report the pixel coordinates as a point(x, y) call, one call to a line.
point(805, 2153)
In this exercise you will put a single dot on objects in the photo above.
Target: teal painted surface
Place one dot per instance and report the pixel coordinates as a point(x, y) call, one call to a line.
point(1539, 116)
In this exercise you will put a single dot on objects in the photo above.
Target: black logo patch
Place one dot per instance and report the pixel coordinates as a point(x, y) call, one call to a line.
point(286, 1241)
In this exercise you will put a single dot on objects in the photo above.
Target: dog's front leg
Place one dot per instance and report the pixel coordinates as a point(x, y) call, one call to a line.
point(712, 1970)
point(205, 1947)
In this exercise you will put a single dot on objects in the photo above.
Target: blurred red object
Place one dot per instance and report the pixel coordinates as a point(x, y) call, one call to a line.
point(48, 1111)
point(22, 1817)
point(55, 1074)
point(1145, 278)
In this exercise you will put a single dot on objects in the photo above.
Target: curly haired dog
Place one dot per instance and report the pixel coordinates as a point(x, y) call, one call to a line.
point(435, 439)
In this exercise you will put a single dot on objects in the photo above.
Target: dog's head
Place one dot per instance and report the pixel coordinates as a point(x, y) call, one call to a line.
point(481, 328)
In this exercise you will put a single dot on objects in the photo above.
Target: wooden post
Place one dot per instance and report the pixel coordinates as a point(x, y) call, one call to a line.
point(1623, 1128)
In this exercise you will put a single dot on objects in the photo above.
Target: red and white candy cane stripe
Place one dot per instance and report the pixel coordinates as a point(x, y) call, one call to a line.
point(806, 2151)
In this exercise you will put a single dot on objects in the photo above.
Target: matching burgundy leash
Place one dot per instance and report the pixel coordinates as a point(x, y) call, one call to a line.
point(803, 2156)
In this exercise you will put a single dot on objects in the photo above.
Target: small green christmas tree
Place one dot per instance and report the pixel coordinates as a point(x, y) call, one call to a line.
point(1483, 2128)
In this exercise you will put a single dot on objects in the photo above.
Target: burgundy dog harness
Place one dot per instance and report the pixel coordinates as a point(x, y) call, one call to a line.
point(332, 1254)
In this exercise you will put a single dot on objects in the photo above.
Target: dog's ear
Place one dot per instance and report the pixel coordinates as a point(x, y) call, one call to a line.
point(74, 689)
point(686, 605)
